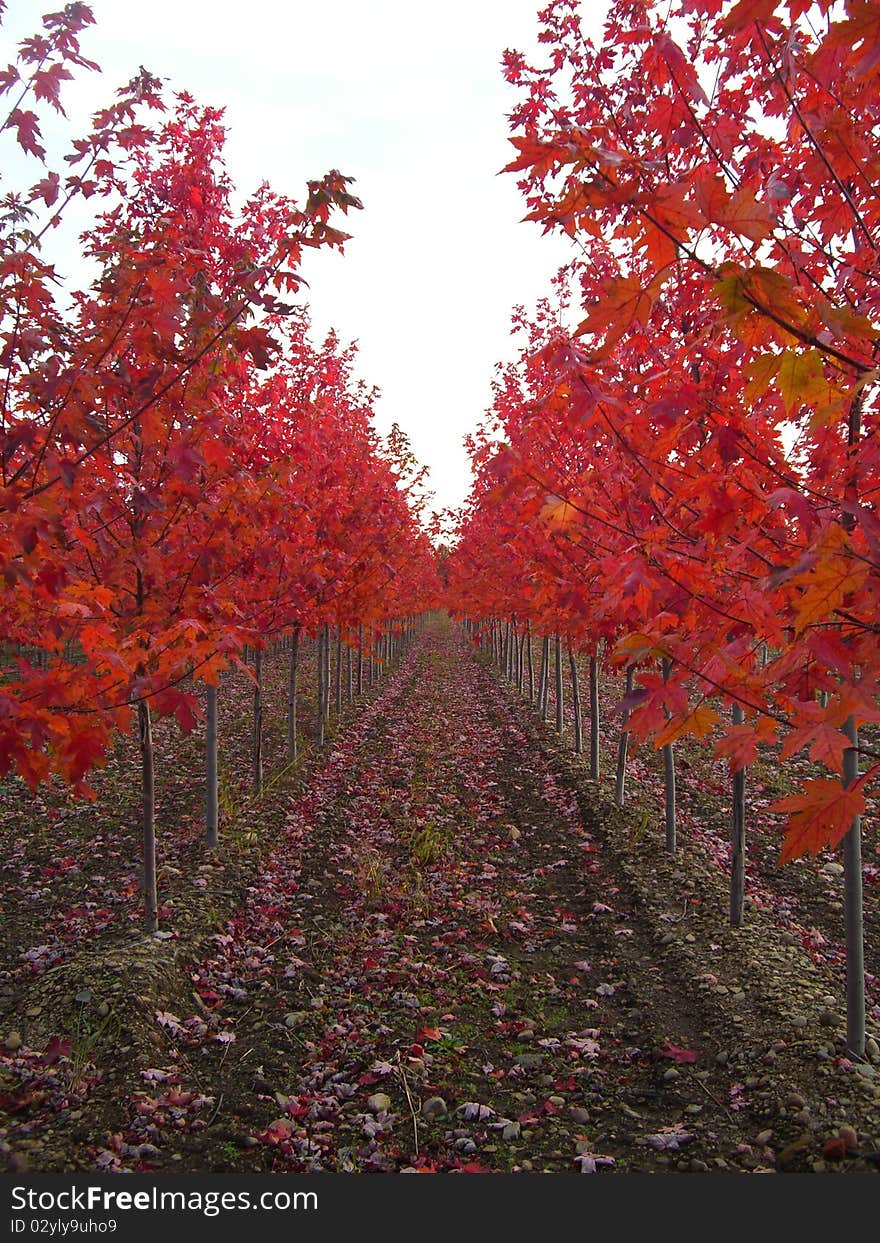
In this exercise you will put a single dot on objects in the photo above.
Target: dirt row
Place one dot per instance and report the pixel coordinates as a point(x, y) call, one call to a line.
point(458, 955)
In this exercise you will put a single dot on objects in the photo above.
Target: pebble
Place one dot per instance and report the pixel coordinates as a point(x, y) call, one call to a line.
point(828, 1018)
point(667, 938)
point(800, 1021)
point(698, 1167)
point(529, 1061)
point(379, 1103)
point(866, 1070)
point(693, 1110)
point(763, 1138)
point(434, 1107)
point(511, 1131)
point(872, 1049)
point(738, 997)
point(795, 1100)
point(722, 1058)
point(558, 1101)
point(579, 1115)
point(832, 869)
point(671, 1074)
point(13, 1041)
point(103, 1010)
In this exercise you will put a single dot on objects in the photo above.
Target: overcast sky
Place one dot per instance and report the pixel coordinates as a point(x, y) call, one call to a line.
point(408, 99)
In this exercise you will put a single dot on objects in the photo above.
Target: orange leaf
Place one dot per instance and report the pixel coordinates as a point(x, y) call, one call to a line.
point(698, 723)
point(828, 743)
point(819, 817)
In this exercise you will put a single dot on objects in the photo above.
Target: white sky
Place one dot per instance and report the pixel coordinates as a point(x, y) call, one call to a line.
point(409, 99)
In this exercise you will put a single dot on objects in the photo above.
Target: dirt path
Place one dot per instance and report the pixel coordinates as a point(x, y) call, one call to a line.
point(437, 969)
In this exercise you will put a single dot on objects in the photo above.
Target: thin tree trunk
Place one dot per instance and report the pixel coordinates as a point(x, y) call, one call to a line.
point(560, 713)
point(669, 776)
point(521, 662)
point(853, 909)
point(576, 703)
point(544, 679)
point(738, 838)
point(258, 721)
point(530, 663)
point(211, 786)
point(338, 673)
point(148, 816)
point(319, 715)
point(623, 746)
point(360, 661)
point(327, 671)
point(349, 680)
point(594, 717)
point(293, 677)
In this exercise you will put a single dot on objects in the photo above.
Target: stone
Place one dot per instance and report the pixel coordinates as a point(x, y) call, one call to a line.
point(671, 1074)
point(529, 1061)
point(579, 1115)
point(872, 1049)
point(13, 1042)
point(763, 1138)
point(795, 1100)
point(434, 1107)
point(379, 1103)
point(832, 869)
point(828, 1018)
point(722, 1058)
point(511, 1131)
point(800, 1021)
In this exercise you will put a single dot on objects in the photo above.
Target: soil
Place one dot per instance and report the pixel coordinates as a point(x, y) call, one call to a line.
point(436, 946)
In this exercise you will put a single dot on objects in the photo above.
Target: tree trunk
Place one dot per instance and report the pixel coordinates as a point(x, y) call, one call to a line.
point(576, 703)
point(853, 911)
point(258, 721)
point(560, 714)
point(349, 675)
point(211, 791)
point(594, 717)
point(738, 838)
point(669, 777)
point(623, 746)
point(148, 817)
point(544, 679)
point(530, 663)
point(292, 679)
point(360, 661)
point(338, 673)
point(319, 715)
point(326, 671)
